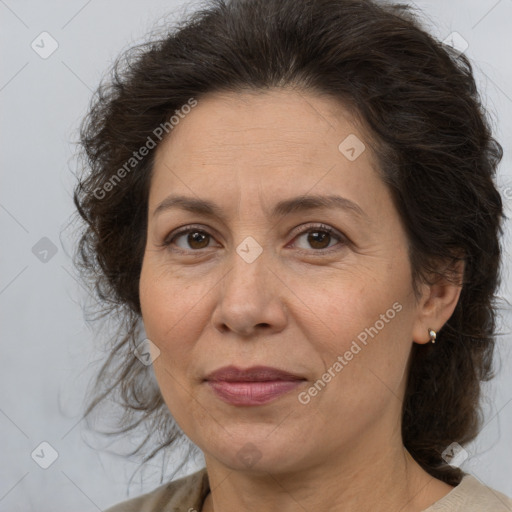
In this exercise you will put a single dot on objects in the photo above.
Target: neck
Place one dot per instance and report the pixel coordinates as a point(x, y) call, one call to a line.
point(368, 479)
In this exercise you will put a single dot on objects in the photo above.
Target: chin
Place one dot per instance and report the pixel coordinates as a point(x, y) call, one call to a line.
point(251, 455)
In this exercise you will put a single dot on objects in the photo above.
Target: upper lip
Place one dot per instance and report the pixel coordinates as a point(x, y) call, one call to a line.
point(253, 374)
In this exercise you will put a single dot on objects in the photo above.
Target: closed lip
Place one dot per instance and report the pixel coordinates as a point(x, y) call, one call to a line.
point(253, 374)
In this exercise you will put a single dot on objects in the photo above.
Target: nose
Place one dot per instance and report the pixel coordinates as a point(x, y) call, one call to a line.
point(251, 298)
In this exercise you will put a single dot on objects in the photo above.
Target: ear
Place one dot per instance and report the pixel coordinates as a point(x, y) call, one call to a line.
point(437, 302)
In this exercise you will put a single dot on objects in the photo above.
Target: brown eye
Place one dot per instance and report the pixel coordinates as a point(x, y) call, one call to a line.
point(195, 239)
point(320, 237)
point(317, 239)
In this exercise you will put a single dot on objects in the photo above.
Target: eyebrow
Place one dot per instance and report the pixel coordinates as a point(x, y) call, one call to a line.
point(285, 207)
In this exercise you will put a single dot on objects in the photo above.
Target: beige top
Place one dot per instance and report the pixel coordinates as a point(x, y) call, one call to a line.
point(188, 493)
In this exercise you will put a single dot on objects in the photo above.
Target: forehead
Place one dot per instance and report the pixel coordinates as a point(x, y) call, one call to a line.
point(292, 123)
point(277, 142)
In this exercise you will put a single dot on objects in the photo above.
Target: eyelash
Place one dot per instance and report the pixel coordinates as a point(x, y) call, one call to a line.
point(311, 229)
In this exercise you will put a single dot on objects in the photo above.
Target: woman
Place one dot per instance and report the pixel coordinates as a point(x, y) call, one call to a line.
point(293, 202)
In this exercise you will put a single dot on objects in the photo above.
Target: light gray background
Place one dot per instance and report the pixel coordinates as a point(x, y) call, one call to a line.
point(46, 346)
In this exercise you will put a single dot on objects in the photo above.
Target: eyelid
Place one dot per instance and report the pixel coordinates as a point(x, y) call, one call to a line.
point(183, 230)
point(319, 226)
point(299, 231)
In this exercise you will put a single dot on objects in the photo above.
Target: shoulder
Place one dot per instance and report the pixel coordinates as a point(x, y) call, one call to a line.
point(471, 495)
point(185, 494)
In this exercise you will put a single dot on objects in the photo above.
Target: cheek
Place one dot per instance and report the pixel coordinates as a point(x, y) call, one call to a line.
point(368, 324)
point(168, 304)
point(173, 314)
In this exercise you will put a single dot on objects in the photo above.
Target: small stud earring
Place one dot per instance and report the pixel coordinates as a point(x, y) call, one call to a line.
point(433, 335)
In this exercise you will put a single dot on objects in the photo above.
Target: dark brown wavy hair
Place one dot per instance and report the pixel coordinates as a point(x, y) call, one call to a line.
point(415, 96)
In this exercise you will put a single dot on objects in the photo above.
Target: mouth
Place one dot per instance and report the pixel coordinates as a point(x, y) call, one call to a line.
point(253, 386)
point(253, 374)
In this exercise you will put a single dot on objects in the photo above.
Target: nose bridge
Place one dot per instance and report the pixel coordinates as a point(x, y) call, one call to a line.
point(249, 266)
point(249, 295)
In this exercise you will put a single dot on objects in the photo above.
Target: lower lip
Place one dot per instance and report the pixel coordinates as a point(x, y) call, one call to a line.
point(252, 393)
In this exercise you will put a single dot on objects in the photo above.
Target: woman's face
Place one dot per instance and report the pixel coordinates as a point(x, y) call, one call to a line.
point(258, 285)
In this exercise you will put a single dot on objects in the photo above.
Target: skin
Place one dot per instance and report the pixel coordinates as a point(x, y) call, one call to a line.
point(291, 308)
